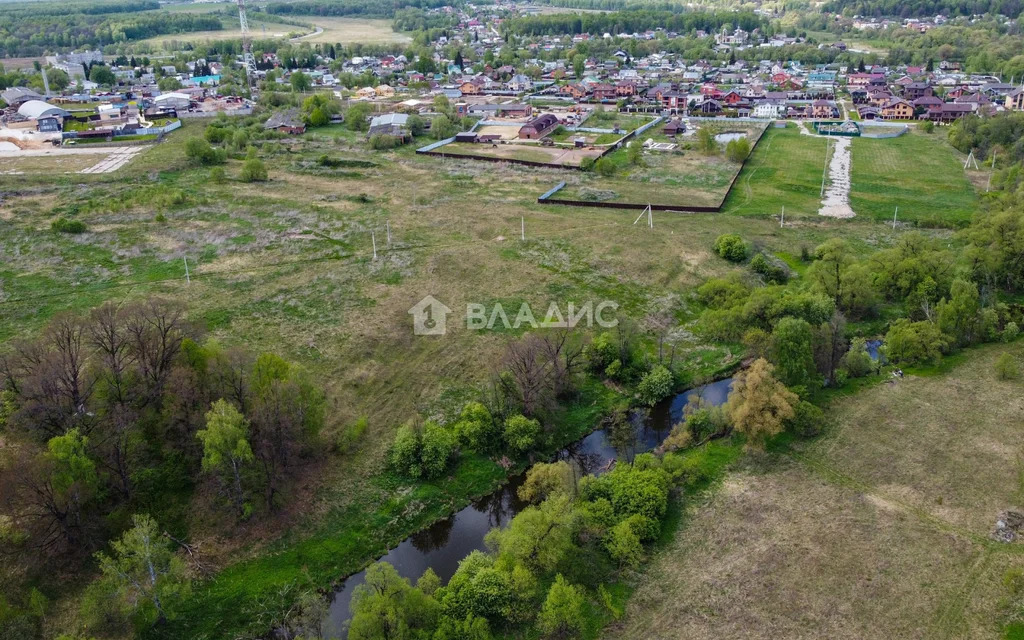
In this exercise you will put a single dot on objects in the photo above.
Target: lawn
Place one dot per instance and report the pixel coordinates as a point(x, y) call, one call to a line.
point(784, 171)
point(349, 30)
point(916, 172)
point(878, 529)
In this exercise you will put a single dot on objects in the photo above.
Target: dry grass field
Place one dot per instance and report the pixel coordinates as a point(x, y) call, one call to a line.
point(879, 529)
point(558, 156)
point(349, 30)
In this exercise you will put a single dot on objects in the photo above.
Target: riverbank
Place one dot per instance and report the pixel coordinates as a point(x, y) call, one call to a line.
point(880, 527)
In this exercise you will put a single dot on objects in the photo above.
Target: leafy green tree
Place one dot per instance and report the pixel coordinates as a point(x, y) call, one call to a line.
point(960, 315)
point(319, 118)
point(578, 65)
point(911, 343)
point(758, 404)
point(168, 83)
point(655, 386)
point(623, 544)
point(437, 449)
point(706, 142)
point(404, 455)
point(857, 362)
point(300, 82)
point(547, 479)
point(199, 151)
point(563, 612)
point(731, 247)
point(387, 607)
point(539, 537)
point(441, 128)
point(469, 628)
point(792, 352)
point(521, 433)
point(226, 448)
point(476, 428)
point(606, 167)
point(102, 75)
point(357, 118)
point(635, 153)
point(142, 576)
point(631, 489)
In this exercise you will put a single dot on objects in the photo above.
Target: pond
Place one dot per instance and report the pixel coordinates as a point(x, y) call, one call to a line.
point(724, 138)
point(442, 545)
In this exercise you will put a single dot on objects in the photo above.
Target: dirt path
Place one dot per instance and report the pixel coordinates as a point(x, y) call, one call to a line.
point(837, 197)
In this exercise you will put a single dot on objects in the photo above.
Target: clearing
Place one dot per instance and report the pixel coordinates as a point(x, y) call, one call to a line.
point(879, 529)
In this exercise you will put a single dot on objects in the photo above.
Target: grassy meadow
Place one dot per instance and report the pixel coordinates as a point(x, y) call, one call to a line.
point(288, 266)
point(877, 529)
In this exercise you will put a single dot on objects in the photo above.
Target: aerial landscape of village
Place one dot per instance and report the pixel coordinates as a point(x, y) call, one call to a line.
point(511, 319)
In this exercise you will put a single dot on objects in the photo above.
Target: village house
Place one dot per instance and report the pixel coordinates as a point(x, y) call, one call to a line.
point(538, 127)
point(1015, 100)
point(287, 121)
point(897, 109)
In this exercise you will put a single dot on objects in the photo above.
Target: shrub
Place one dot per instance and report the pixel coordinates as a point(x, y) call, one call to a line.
point(199, 151)
point(521, 433)
point(437, 449)
point(656, 385)
point(623, 545)
point(738, 150)
point(807, 419)
point(857, 362)
point(563, 613)
point(731, 247)
point(65, 225)
point(253, 170)
point(605, 167)
point(927, 126)
point(601, 352)
point(1007, 368)
point(383, 142)
point(587, 164)
point(217, 175)
point(1010, 332)
point(771, 272)
point(405, 452)
point(351, 435)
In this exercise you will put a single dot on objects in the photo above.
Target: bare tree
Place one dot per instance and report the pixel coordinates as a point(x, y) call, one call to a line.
point(156, 330)
point(530, 372)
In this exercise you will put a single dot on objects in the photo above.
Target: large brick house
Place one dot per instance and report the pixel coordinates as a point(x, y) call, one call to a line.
point(538, 127)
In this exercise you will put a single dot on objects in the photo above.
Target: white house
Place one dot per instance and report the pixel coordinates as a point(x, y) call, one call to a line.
point(769, 109)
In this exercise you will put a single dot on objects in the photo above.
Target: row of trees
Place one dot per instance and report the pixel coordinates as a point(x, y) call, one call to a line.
point(125, 411)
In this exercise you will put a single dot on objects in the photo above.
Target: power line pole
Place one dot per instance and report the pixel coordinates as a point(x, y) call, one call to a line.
point(522, 228)
point(894, 218)
point(387, 225)
point(248, 60)
point(782, 220)
point(373, 238)
point(188, 278)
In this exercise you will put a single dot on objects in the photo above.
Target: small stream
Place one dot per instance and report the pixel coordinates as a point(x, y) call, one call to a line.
point(442, 545)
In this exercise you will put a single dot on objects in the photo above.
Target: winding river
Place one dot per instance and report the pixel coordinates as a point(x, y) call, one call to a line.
point(442, 545)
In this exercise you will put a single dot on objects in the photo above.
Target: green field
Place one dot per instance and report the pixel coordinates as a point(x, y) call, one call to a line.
point(917, 172)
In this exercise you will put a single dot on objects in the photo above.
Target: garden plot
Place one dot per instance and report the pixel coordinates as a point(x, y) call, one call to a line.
point(554, 156)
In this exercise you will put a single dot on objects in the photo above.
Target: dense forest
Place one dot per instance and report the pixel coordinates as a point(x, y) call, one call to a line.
point(25, 32)
point(629, 22)
point(924, 8)
point(364, 8)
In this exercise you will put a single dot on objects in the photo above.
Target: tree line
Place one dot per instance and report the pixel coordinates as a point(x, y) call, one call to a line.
point(363, 8)
point(33, 34)
point(629, 22)
point(924, 8)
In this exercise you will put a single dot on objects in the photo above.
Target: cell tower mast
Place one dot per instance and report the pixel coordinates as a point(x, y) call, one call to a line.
point(247, 58)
